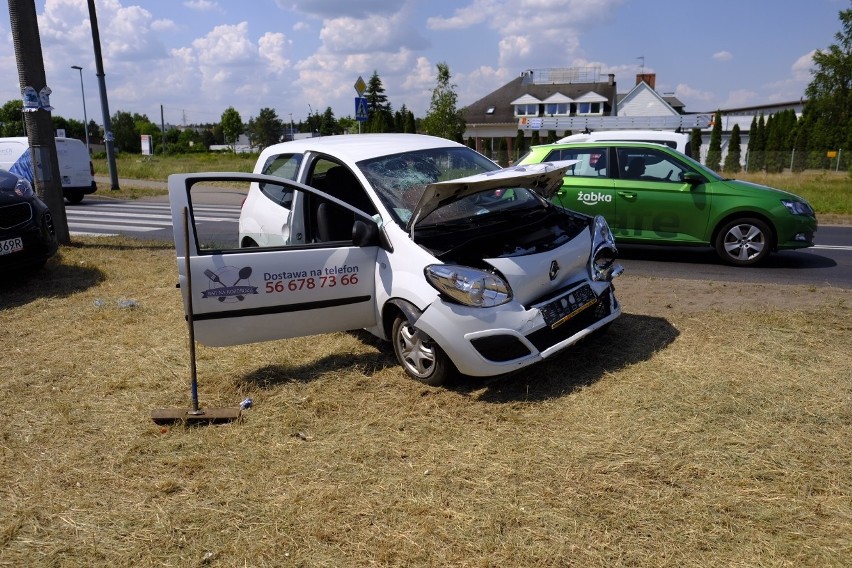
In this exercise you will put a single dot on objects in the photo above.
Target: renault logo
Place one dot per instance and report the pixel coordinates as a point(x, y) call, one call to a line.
point(554, 270)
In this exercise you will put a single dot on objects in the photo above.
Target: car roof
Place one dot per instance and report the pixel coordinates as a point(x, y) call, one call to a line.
point(607, 143)
point(357, 147)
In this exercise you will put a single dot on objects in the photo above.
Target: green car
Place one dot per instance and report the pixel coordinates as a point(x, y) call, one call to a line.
point(653, 194)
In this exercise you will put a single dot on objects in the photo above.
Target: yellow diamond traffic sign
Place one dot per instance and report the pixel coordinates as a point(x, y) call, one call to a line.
point(360, 86)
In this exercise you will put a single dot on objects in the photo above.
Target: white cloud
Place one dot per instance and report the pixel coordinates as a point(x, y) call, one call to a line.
point(802, 67)
point(203, 6)
point(741, 98)
point(272, 47)
point(723, 56)
point(465, 17)
point(225, 46)
point(342, 8)
point(164, 25)
point(683, 91)
point(375, 33)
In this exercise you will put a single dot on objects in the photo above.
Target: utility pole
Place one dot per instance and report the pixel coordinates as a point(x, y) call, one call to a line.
point(85, 118)
point(109, 139)
point(48, 184)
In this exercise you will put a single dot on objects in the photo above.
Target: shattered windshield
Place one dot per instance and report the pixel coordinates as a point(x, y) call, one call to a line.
point(400, 179)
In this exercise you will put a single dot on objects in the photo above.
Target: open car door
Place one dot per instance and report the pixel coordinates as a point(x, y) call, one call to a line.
point(258, 294)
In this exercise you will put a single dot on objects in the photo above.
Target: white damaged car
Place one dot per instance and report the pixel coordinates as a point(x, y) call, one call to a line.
point(463, 267)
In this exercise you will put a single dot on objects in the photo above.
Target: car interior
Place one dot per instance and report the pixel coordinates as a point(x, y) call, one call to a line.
point(332, 222)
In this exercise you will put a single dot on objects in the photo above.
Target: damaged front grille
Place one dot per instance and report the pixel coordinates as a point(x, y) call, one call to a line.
point(549, 336)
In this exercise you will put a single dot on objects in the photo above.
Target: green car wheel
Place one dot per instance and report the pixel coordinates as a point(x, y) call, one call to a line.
point(744, 242)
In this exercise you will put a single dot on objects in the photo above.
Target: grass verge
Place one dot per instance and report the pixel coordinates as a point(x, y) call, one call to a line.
point(693, 434)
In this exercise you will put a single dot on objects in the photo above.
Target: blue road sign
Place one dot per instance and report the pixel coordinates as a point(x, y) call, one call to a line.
point(361, 112)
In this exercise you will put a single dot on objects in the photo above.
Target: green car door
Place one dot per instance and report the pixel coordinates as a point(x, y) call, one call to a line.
point(654, 200)
point(588, 186)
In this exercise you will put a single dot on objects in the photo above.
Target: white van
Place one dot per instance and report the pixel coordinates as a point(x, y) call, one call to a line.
point(677, 140)
point(75, 166)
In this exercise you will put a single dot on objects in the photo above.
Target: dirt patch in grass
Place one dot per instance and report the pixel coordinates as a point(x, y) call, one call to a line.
point(700, 430)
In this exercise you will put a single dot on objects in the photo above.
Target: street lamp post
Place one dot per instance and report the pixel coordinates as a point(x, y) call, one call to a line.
point(85, 118)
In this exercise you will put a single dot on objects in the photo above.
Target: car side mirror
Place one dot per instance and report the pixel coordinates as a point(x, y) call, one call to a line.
point(693, 178)
point(367, 234)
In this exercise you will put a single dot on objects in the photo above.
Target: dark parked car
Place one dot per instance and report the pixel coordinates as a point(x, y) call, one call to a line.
point(27, 235)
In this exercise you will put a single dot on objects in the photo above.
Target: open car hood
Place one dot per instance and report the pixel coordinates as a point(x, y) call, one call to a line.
point(544, 178)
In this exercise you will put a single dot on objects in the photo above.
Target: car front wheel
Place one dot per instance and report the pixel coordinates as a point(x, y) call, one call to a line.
point(418, 354)
point(744, 242)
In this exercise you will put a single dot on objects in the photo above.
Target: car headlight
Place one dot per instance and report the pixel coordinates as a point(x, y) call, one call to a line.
point(602, 264)
point(798, 207)
point(23, 188)
point(469, 286)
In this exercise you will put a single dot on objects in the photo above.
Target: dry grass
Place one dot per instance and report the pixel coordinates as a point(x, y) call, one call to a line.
point(691, 435)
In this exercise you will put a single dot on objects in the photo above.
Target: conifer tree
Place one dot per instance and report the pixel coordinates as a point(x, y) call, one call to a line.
point(757, 146)
point(380, 116)
point(695, 144)
point(520, 145)
point(732, 160)
point(714, 151)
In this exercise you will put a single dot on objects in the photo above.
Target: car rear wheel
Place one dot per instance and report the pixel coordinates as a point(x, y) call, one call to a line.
point(418, 354)
point(744, 242)
point(74, 197)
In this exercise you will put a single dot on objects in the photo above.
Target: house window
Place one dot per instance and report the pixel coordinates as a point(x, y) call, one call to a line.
point(557, 109)
point(589, 108)
point(526, 110)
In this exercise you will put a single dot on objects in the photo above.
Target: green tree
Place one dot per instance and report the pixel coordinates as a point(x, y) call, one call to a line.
point(714, 151)
point(232, 127)
point(347, 125)
point(695, 144)
point(379, 109)
point(732, 159)
point(12, 118)
point(798, 160)
point(145, 126)
point(172, 138)
point(266, 129)
point(757, 144)
point(520, 145)
point(404, 121)
point(125, 132)
point(190, 140)
point(443, 119)
point(828, 111)
point(503, 152)
point(328, 125)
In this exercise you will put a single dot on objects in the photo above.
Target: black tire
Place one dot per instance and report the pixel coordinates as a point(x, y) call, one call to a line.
point(744, 242)
point(420, 357)
point(74, 198)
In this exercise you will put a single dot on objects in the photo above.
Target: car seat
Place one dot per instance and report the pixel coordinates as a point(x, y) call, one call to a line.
point(635, 168)
point(334, 223)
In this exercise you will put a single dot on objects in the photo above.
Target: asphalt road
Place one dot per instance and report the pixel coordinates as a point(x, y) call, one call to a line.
point(829, 263)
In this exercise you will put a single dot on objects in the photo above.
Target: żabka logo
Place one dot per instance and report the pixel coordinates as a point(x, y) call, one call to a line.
point(594, 197)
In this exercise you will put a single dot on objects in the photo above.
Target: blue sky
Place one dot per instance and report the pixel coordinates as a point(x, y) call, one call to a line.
point(198, 57)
